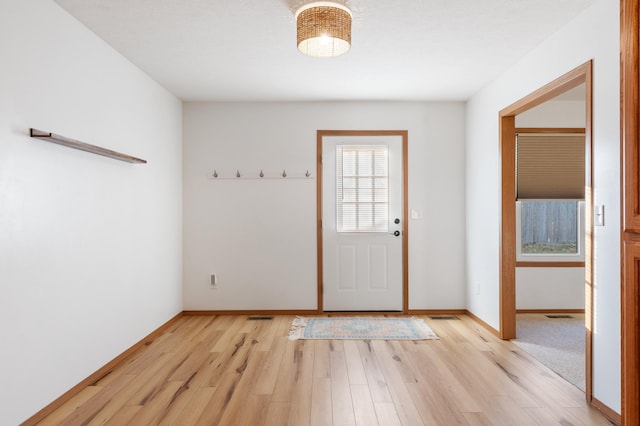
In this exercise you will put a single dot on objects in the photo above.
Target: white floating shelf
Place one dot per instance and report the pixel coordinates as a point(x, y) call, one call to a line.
point(82, 146)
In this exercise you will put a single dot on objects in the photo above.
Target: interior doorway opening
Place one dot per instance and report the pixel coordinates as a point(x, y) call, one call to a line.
point(508, 256)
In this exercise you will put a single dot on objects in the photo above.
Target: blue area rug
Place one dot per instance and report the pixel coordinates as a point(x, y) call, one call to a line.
point(360, 328)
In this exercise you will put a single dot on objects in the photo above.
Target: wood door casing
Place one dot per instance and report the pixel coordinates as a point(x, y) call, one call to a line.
point(362, 255)
point(630, 194)
point(405, 184)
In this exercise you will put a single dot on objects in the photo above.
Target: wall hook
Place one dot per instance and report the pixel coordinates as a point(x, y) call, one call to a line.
point(284, 173)
point(307, 174)
point(215, 173)
point(261, 174)
point(237, 173)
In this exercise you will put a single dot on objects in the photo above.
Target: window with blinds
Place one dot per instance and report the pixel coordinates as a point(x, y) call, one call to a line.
point(362, 188)
point(550, 165)
point(550, 173)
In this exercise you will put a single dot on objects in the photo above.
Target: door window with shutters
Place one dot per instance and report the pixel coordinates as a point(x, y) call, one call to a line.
point(362, 188)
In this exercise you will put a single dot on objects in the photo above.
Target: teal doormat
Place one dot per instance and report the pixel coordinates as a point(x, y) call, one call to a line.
point(360, 328)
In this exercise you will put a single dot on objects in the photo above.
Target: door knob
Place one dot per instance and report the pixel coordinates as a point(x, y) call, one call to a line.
point(396, 221)
point(396, 233)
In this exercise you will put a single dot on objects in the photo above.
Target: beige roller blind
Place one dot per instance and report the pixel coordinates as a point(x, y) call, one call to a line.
point(550, 165)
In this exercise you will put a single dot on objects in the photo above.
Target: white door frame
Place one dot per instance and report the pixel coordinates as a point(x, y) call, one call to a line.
point(405, 229)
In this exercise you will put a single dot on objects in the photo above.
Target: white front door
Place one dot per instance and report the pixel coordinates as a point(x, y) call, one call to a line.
point(362, 223)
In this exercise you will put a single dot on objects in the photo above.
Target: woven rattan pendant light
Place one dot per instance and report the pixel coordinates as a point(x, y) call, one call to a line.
point(324, 29)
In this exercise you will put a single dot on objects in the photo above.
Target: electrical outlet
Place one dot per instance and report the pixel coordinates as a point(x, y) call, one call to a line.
point(213, 281)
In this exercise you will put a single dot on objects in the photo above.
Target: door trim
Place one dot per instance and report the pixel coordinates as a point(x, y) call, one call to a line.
point(405, 189)
point(579, 75)
point(630, 209)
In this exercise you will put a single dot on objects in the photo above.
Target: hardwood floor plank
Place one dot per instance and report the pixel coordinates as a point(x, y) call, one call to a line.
point(270, 370)
point(363, 409)
point(432, 372)
point(228, 370)
point(192, 410)
point(542, 416)
point(355, 368)
point(211, 366)
point(228, 359)
point(476, 336)
point(177, 405)
point(283, 390)
point(481, 372)
point(479, 419)
point(341, 403)
point(134, 384)
point(191, 364)
point(277, 414)
point(215, 407)
point(224, 322)
point(121, 396)
point(503, 407)
point(336, 346)
point(397, 353)
point(267, 334)
point(322, 363)
point(140, 360)
point(588, 416)
point(405, 407)
point(437, 394)
point(257, 408)
point(321, 411)
point(386, 414)
point(71, 406)
point(236, 410)
point(154, 410)
point(434, 405)
point(153, 383)
point(231, 330)
point(123, 416)
point(375, 379)
point(300, 413)
point(90, 409)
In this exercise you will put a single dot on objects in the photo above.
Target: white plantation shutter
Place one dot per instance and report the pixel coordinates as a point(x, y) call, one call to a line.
point(362, 188)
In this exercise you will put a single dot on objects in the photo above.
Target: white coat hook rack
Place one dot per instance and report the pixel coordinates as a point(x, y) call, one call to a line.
point(261, 174)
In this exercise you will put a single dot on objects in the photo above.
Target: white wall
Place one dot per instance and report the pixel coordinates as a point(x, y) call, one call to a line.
point(592, 35)
point(549, 288)
point(90, 247)
point(260, 236)
point(554, 114)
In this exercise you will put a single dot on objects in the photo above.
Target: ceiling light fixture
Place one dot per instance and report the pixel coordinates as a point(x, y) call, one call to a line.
point(324, 29)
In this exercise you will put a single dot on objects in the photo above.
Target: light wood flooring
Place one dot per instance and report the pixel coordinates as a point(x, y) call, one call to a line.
point(228, 370)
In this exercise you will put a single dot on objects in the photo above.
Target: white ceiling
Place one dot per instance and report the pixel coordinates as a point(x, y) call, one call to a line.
point(245, 50)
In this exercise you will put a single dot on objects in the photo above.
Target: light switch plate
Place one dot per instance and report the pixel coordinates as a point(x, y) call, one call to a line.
point(598, 215)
